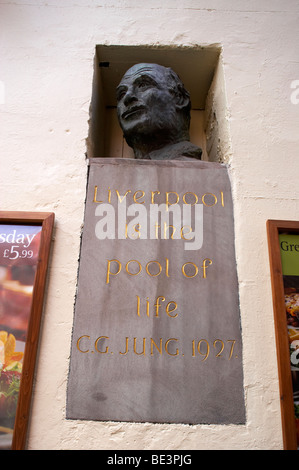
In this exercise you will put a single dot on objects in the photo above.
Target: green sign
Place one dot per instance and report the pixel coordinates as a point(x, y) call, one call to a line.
point(289, 250)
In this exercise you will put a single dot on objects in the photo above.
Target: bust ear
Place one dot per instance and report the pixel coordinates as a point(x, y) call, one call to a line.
point(182, 98)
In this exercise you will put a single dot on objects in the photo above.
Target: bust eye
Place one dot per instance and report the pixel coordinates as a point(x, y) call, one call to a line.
point(145, 83)
point(120, 94)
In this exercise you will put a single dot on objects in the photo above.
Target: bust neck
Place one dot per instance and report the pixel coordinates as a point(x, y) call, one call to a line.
point(144, 145)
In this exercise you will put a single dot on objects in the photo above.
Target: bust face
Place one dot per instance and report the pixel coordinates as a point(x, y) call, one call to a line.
point(145, 105)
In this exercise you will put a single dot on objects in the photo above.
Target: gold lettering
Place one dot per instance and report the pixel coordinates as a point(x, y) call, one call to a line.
point(143, 351)
point(204, 266)
point(166, 347)
point(127, 347)
point(78, 343)
point(154, 344)
point(135, 197)
point(147, 268)
point(232, 341)
point(167, 199)
point(153, 196)
point(121, 198)
point(157, 305)
point(138, 306)
point(171, 197)
point(206, 352)
point(108, 269)
point(96, 345)
point(221, 346)
point(169, 310)
point(209, 194)
point(196, 199)
point(203, 348)
point(167, 227)
point(133, 261)
point(192, 275)
point(170, 307)
point(95, 194)
point(167, 267)
point(222, 198)
point(182, 234)
point(193, 348)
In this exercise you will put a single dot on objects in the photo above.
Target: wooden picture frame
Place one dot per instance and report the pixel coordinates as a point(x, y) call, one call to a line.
point(276, 229)
point(17, 232)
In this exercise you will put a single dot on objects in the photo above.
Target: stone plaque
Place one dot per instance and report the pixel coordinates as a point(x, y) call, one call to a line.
point(156, 334)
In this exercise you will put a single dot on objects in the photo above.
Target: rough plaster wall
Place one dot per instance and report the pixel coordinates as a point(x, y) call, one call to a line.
point(217, 131)
point(47, 52)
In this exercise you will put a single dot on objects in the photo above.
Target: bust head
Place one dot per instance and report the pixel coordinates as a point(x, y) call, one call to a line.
point(153, 108)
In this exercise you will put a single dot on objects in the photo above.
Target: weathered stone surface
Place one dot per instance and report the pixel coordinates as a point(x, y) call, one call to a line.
point(181, 361)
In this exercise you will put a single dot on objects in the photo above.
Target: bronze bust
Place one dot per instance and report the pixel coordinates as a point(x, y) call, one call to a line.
point(153, 110)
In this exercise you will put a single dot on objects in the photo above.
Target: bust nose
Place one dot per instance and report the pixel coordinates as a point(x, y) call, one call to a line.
point(130, 96)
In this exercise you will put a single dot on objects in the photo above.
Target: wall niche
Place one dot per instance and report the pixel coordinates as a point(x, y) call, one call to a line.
point(200, 68)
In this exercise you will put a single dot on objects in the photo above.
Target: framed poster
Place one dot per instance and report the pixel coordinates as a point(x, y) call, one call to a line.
point(25, 240)
point(283, 243)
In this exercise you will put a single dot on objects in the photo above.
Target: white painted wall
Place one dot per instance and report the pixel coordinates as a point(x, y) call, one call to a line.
point(46, 65)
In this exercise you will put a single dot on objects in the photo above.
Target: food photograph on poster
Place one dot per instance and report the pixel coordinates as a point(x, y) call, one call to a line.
point(19, 246)
point(289, 248)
